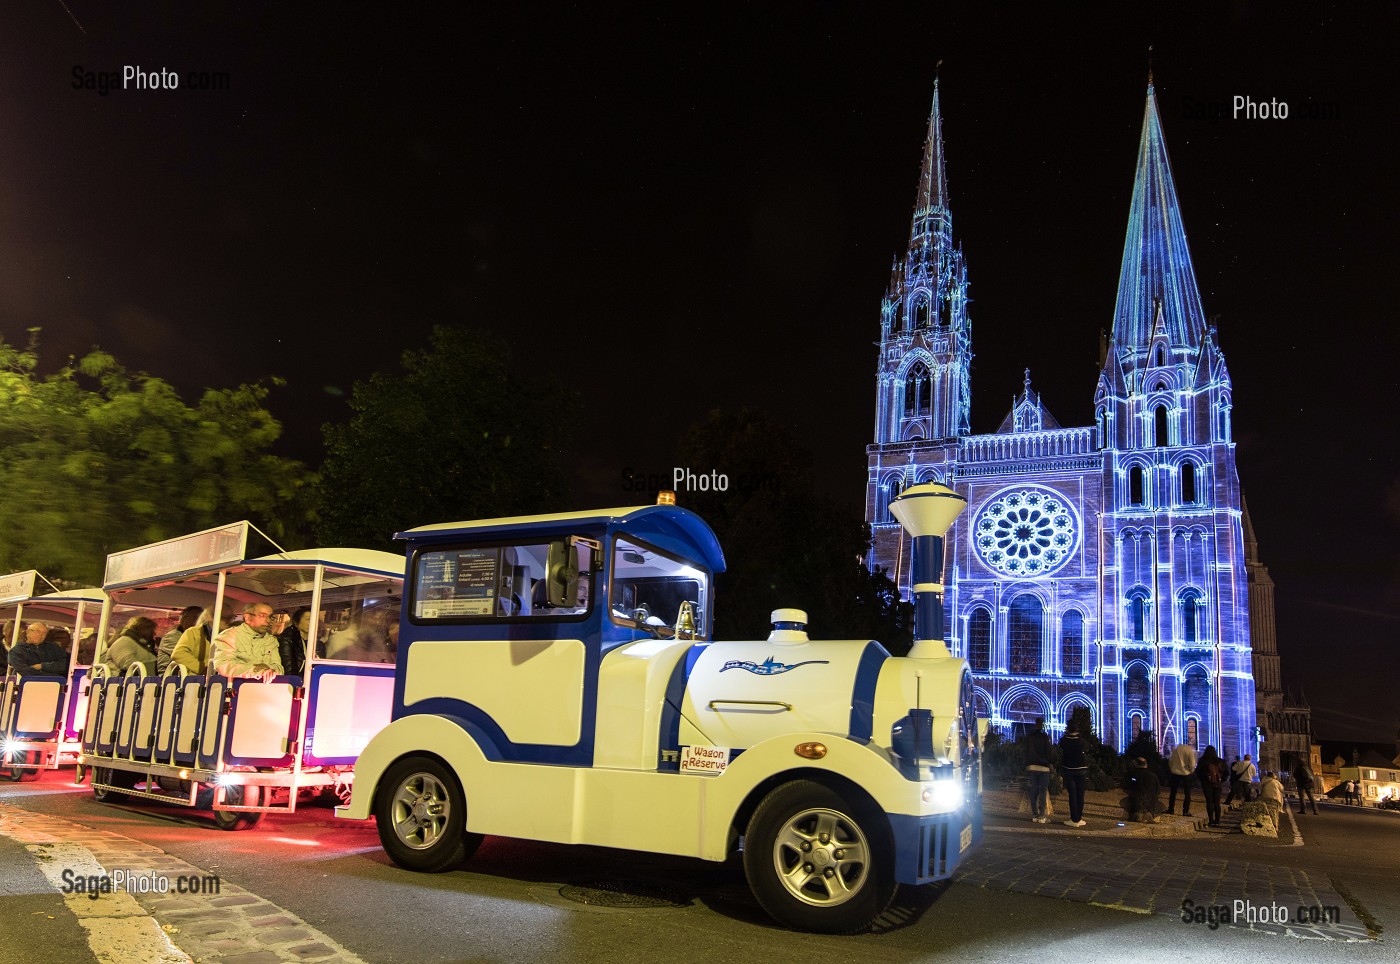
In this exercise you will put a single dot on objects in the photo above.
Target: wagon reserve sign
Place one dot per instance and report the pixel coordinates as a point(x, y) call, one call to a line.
point(704, 759)
point(209, 549)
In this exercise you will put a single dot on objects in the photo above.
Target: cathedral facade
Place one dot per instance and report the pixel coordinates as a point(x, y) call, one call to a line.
point(1101, 565)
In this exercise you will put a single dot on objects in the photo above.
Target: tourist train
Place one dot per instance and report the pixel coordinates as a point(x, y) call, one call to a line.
point(551, 678)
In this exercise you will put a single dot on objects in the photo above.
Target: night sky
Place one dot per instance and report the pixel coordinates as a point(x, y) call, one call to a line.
point(685, 209)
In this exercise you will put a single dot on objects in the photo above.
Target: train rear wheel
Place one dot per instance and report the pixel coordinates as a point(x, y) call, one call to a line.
point(111, 778)
point(239, 796)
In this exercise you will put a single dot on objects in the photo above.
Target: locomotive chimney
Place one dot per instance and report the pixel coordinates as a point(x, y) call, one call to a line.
point(926, 511)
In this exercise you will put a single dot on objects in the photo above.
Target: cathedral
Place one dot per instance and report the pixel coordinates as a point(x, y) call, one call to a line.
point(1109, 565)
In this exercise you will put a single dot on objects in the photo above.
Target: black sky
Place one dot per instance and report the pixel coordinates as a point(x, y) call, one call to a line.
point(690, 208)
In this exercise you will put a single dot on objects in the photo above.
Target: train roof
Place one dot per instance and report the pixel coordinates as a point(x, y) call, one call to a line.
point(671, 526)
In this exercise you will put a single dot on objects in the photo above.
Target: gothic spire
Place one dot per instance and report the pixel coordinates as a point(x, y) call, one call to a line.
point(931, 203)
point(1156, 262)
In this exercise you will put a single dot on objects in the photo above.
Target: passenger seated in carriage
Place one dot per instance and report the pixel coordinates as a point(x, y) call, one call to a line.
point(249, 650)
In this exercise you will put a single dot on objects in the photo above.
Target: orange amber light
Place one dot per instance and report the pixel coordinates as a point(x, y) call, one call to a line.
point(810, 751)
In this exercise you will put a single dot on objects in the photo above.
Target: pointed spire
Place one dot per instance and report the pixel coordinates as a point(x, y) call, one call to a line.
point(1156, 261)
point(932, 199)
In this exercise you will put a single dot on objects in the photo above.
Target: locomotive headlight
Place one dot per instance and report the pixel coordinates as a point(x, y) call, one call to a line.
point(944, 794)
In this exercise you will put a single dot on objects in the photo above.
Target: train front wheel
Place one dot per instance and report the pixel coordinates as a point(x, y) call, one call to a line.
point(818, 860)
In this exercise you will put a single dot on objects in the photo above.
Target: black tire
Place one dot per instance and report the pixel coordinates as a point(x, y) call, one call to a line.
point(19, 774)
point(421, 813)
point(111, 777)
point(234, 820)
point(819, 860)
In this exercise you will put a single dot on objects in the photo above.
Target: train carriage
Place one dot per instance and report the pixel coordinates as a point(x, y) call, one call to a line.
point(244, 747)
point(41, 714)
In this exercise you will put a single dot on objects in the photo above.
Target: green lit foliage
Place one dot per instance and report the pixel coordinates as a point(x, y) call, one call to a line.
point(783, 544)
point(454, 434)
point(95, 458)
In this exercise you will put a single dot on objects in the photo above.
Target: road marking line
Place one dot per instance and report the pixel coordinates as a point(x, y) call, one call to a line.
point(121, 929)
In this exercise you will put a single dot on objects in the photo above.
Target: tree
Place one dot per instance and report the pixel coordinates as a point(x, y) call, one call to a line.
point(455, 434)
point(784, 545)
point(97, 459)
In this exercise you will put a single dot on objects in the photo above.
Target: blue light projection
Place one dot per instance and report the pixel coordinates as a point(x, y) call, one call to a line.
point(1098, 566)
point(1025, 532)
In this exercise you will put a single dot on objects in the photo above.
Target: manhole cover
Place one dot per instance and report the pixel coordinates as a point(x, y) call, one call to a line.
point(634, 894)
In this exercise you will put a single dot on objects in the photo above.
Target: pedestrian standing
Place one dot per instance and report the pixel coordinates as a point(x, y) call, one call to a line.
point(1074, 767)
point(1211, 772)
point(1183, 774)
point(1242, 780)
point(1304, 778)
point(1037, 745)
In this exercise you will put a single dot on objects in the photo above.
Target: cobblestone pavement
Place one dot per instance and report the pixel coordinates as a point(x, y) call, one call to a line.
point(229, 925)
point(1072, 866)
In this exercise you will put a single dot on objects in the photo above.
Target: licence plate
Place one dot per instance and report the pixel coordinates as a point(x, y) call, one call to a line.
point(965, 838)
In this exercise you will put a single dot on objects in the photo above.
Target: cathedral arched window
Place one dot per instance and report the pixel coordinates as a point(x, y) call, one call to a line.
point(1136, 485)
point(1023, 636)
point(1099, 420)
point(1137, 698)
point(1072, 644)
point(1137, 615)
point(921, 313)
point(917, 391)
point(1195, 694)
point(1159, 426)
point(896, 318)
point(979, 640)
point(1190, 616)
point(893, 487)
point(1188, 482)
point(945, 311)
point(1193, 734)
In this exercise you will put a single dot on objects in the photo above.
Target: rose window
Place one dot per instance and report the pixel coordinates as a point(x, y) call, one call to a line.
point(1025, 532)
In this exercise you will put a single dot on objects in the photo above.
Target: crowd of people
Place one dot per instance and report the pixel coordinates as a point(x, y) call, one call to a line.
point(1184, 771)
point(263, 644)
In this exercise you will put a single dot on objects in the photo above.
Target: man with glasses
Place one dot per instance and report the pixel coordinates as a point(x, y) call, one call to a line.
point(249, 649)
point(36, 655)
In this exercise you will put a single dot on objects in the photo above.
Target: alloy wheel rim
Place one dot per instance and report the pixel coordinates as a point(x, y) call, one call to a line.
point(821, 857)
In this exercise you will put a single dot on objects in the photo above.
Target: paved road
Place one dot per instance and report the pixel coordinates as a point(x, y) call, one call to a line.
point(310, 887)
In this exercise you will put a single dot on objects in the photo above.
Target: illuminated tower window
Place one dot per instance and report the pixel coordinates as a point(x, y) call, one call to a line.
point(1135, 727)
point(1135, 485)
point(1137, 614)
point(1195, 694)
point(1023, 636)
point(897, 325)
point(894, 485)
point(1137, 694)
point(1193, 732)
point(917, 391)
point(1072, 644)
point(1188, 482)
point(1190, 616)
point(1159, 426)
point(921, 313)
point(979, 640)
